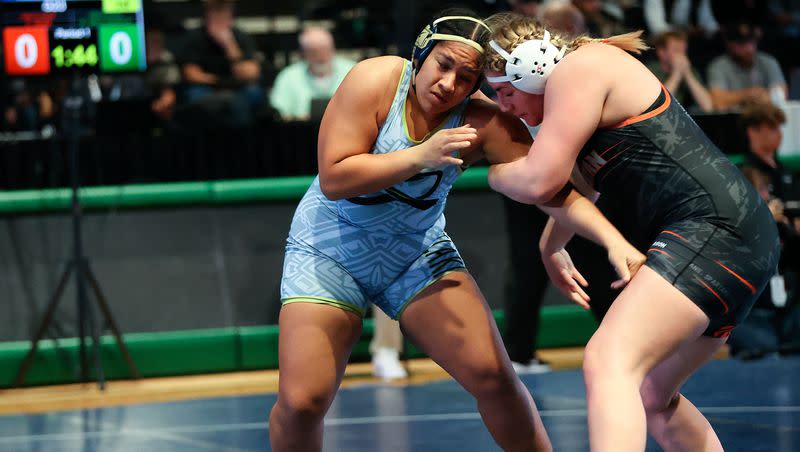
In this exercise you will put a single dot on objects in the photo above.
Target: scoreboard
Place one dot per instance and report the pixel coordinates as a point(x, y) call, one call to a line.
point(42, 37)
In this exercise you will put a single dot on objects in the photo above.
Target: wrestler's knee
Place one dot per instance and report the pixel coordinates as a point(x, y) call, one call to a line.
point(304, 403)
point(489, 378)
point(656, 398)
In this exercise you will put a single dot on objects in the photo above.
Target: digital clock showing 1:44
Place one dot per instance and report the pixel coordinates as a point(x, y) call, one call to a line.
point(70, 54)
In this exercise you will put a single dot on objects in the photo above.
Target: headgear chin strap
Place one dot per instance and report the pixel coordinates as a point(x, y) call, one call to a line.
point(530, 64)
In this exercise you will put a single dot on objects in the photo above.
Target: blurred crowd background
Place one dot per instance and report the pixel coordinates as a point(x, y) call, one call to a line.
point(236, 88)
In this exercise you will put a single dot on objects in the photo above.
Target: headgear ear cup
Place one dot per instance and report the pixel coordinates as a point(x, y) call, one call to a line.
point(530, 64)
point(423, 46)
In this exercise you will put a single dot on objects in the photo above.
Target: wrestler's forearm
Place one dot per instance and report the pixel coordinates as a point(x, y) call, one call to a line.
point(513, 180)
point(554, 237)
point(581, 216)
point(362, 174)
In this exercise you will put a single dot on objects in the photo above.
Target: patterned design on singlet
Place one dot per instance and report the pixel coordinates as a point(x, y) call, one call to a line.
point(412, 206)
point(710, 234)
point(379, 238)
point(666, 170)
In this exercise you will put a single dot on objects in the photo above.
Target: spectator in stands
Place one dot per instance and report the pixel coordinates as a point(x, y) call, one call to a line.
point(744, 75)
point(25, 105)
point(674, 69)
point(773, 325)
point(762, 123)
point(315, 77)
point(774, 322)
point(694, 17)
point(220, 70)
point(162, 75)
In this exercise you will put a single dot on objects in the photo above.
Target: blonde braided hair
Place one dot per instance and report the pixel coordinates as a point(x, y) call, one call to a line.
point(511, 29)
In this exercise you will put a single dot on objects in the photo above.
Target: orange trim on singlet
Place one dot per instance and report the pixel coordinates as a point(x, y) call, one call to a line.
point(610, 148)
point(674, 233)
point(724, 331)
point(647, 115)
point(660, 251)
point(715, 294)
point(749, 286)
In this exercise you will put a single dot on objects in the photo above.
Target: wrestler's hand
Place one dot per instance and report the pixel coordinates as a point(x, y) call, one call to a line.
point(565, 276)
point(626, 261)
point(438, 150)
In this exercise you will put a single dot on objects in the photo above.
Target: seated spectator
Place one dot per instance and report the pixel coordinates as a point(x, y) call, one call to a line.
point(674, 69)
point(220, 70)
point(563, 16)
point(26, 106)
point(762, 122)
point(162, 75)
point(315, 77)
point(743, 74)
point(774, 322)
point(773, 325)
point(156, 85)
point(693, 17)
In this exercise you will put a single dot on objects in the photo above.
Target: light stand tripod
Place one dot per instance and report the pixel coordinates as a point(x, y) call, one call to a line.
point(78, 264)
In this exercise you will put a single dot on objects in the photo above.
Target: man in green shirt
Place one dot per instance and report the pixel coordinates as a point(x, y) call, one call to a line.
point(316, 76)
point(675, 71)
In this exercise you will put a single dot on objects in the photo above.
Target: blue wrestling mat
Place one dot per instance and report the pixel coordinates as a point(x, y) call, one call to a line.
point(754, 406)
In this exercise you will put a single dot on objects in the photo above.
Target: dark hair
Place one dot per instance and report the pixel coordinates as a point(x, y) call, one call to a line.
point(761, 113)
point(473, 30)
point(467, 29)
point(663, 38)
point(464, 28)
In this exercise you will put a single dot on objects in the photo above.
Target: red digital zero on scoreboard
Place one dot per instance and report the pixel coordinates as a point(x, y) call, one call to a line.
point(26, 50)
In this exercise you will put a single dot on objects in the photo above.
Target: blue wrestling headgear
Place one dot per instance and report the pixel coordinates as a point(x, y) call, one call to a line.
point(530, 64)
point(438, 30)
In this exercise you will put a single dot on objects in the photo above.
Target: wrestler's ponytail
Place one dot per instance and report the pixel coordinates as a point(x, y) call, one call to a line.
point(629, 42)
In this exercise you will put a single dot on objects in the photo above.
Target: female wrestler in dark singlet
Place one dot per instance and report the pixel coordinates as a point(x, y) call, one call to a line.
point(712, 242)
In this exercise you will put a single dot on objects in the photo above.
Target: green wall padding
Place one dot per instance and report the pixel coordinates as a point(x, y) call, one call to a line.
point(155, 354)
point(228, 349)
point(206, 193)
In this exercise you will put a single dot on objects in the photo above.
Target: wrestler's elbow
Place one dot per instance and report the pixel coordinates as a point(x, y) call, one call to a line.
point(543, 192)
point(527, 190)
point(331, 187)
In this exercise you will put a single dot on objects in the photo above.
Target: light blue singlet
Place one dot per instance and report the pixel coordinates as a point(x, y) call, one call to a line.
point(384, 247)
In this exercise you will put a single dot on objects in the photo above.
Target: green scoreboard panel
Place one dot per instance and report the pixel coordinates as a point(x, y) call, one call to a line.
point(119, 47)
point(41, 37)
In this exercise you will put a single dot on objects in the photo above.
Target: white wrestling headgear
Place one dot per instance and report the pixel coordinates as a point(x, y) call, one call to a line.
point(530, 64)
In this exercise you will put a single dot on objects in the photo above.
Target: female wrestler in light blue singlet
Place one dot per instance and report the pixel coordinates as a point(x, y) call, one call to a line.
point(384, 247)
point(370, 229)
